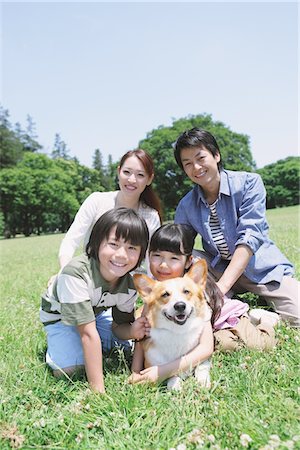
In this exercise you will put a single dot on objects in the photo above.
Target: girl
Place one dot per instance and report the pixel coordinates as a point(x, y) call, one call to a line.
point(72, 308)
point(227, 208)
point(170, 252)
point(135, 175)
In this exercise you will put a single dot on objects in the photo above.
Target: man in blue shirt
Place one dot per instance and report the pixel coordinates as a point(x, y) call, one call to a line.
point(227, 208)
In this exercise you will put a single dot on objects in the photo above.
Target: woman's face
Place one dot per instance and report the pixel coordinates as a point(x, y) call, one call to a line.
point(133, 177)
point(201, 166)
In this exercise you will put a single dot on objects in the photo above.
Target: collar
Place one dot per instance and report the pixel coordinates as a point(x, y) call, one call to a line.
point(224, 188)
point(120, 287)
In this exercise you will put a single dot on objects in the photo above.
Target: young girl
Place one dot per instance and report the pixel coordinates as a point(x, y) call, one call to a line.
point(170, 253)
point(73, 307)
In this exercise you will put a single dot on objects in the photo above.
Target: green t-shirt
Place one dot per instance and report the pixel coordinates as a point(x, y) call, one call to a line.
point(79, 293)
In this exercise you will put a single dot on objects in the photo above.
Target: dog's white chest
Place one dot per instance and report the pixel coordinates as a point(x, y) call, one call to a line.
point(167, 345)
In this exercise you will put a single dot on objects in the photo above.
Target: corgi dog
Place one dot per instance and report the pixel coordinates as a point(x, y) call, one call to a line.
point(177, 312)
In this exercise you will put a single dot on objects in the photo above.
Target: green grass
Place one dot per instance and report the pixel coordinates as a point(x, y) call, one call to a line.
point(253, 393)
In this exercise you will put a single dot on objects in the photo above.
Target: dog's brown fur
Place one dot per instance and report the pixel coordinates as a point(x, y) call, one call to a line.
point(177, 312)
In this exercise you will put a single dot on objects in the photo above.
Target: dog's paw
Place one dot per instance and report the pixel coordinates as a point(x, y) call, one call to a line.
point(174, 384)
point(202, 374)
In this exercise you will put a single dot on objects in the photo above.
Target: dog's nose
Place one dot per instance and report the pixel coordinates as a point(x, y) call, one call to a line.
point(179, 307)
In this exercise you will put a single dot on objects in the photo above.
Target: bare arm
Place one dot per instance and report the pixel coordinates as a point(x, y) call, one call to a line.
point(199, 354)
point(235, 268)
point(92, 350)
point(138, 358)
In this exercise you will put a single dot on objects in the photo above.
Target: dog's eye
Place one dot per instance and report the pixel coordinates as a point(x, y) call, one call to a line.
point(165, 294)
point(186, 291)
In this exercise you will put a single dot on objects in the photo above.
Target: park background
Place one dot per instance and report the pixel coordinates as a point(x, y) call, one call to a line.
point(81, 83)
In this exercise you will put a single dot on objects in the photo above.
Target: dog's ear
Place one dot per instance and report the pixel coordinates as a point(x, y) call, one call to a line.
point(198, 273)
point(143, 284)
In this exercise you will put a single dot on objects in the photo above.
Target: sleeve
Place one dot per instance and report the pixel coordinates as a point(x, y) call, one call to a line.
point(181, 217)
point(180, 214)
point(153, 222)
point(83, 222)
point(76, 307)
point(122, 317)
point(252, 225)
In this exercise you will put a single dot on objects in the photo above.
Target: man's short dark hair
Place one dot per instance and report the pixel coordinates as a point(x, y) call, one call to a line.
point(196, 137)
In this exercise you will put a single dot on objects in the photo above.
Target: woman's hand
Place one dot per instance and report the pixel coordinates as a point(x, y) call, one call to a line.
point(140, 328)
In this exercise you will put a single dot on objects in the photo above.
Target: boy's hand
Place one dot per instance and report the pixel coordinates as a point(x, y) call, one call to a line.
point(140, 328)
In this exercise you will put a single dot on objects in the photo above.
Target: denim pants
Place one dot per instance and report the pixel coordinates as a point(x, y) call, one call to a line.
point(64, 342)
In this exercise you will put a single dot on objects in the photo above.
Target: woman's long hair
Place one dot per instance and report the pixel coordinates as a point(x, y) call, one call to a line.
point(148, 196)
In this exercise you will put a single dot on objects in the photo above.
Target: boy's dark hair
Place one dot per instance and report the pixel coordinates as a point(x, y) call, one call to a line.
point(129, 226)
point(173, 237)
point(196, 137)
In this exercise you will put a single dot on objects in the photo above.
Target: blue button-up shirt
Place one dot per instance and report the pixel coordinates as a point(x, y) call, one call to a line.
point(241, 211)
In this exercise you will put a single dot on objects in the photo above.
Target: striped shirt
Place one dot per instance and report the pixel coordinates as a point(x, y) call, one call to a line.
point(217, 233)
point(79, 293)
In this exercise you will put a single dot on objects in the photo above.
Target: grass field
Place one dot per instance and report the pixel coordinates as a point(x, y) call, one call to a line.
point(254, 400)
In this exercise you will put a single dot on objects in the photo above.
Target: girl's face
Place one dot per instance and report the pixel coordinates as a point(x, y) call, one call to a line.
point(117, 257)
point(201, 166)
point(165, 265)
point(133, 177)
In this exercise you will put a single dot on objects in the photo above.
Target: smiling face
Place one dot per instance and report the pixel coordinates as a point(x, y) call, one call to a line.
point(165, 265)
point(201, 166)
point(174, 301)
point(117, 257)
point(133, 177)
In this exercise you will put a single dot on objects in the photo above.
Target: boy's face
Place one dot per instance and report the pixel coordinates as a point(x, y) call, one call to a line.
point(200, 165)
point(165, 265)
point(117, 257)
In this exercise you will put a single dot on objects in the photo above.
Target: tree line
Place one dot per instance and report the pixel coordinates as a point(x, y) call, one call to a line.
point(41, 193)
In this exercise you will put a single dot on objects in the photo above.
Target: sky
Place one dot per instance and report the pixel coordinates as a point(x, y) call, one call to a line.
point(103, 75)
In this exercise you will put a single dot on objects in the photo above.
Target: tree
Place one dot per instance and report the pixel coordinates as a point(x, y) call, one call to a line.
point(40, 194)
point(98, 166)
point(97, 160)
point(281, 180)
point(60, 149)
point(110, 182)
point(11, 148)
point(170, 182)
point(28, 139)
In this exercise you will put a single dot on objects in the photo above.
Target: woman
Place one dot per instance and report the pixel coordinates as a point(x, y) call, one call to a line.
point(227, 209)
point(135, 175)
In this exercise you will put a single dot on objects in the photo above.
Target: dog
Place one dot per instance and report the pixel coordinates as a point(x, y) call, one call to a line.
point(177, 312)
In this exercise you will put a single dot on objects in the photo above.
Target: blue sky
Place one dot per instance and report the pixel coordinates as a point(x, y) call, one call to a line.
point(104, 74)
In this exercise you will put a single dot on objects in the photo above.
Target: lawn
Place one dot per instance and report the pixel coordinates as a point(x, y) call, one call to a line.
point(254, 400)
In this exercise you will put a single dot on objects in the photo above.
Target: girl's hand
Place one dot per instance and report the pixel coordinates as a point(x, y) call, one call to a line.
point(150, 375)
point(140, 328)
